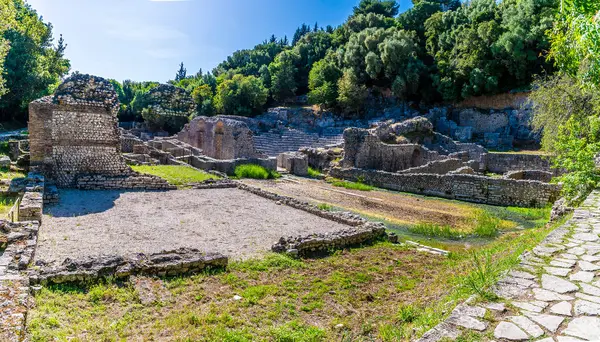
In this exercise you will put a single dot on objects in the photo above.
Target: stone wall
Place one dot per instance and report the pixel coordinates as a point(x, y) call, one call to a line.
point(504, 162)
point(295, 163)
point(228, 166)
point(464, 187)
point(74, 134)
point(439, 167)
point(365, 150)
point(166, 263)
point(219, 137)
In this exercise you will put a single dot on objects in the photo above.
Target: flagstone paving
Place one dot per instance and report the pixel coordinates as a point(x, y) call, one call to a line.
point(553, 296)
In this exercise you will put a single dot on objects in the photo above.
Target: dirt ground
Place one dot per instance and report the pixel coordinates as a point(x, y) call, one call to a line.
point(396, 207)
point(231, 221)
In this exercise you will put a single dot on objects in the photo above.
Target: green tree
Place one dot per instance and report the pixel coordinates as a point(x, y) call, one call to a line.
point(33, 66)
point(283, 73)
point(323, 83)
point(388, 8)
point(352, 94)
point(181, 73)
point(241, 95)
point(203, 97)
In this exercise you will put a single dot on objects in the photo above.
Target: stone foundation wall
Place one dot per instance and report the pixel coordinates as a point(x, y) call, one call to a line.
point(439, 167)
point(166, 263)
point(504, 162)
point(228, 166)
point(464, 187)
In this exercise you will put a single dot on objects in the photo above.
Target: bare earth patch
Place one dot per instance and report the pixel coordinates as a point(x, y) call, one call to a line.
point(230, 221)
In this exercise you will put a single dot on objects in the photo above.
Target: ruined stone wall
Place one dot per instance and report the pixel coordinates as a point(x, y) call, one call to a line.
point(505, 162)
point(74, 133)
point(470, 188)
point(439, 167)
point(366, 151)
point(220, 138)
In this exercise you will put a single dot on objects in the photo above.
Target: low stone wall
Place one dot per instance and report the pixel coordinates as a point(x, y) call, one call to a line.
point(31, 204)
point(228, 166)
point(439, 167)
point(131, 182)
point(316, 244)
point(542, 176)
point(14, 285)
point(504, 162)
point(166, 263)
point(464, 187)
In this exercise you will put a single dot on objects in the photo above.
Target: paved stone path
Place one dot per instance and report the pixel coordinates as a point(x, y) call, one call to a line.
point(554, 295)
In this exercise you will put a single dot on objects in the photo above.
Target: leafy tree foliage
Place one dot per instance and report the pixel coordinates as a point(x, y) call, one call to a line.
point(352, 94)
point(240, 95)
point(32, 65)
point(323, 82)
point(282, 72)
point(388, 8)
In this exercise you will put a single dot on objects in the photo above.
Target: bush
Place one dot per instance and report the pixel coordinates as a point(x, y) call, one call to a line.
point(312, 173)
point(254, 171)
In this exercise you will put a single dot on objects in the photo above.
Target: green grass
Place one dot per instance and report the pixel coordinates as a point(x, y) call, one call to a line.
point(435, 230)
point(325, 206)
point(285, 299)
point(313, 173)
point(254, 171)
point(350, 185)
point(178, 175)
point(487, 225)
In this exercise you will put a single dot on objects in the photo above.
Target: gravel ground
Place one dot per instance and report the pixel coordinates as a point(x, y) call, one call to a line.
point(231, 221)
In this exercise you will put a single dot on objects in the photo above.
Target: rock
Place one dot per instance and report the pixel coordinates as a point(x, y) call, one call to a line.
point(556, 284)
point(582, 276)
point(590, 258)
point(589, 289)
point(500, 307)
point(588, 266)
point(562, 308)
point(510, 331)
point(237, 298)
point(521, 274)
point(528, 326)
point(530, 307)
point(588, 297)
point(558, 271)
point(467, 322)
point(4, 161)
point(467, 310)
point(587, 328)
point(583, 307)
point(549, 322)
point(586, 237)
point(549, 296)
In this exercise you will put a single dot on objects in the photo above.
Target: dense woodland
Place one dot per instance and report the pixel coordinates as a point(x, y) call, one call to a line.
point(439, 51)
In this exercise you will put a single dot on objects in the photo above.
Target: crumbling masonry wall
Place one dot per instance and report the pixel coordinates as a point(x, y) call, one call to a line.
point(220, 138)
point(74, 134)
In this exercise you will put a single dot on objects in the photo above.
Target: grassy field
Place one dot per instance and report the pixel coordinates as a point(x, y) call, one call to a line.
point(178, 175)
point(383, 292)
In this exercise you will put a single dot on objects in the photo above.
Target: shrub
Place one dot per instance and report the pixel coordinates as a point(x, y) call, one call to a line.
point(254, 171)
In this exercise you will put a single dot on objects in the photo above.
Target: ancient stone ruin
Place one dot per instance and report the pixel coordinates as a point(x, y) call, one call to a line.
point(409, 156)
point(75, 141)
point(220, 138)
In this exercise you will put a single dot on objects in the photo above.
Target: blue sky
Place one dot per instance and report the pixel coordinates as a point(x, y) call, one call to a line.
point(147, 39)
